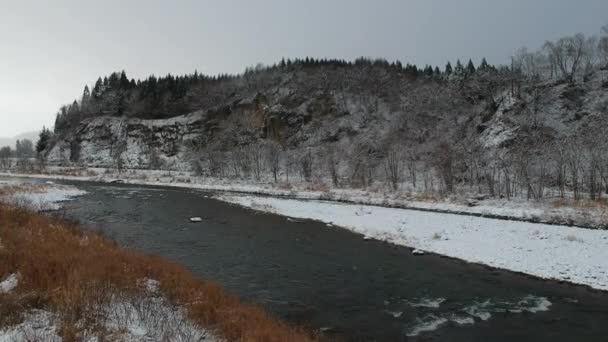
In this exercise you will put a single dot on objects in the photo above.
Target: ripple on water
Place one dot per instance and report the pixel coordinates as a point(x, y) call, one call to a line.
point(479, 310)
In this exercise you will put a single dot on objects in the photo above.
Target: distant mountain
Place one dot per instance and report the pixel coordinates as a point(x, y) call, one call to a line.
point(33, 136)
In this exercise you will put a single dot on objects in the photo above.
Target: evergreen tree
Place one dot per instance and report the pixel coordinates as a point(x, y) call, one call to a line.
point(484, 65)
point(43, 140)
point(124, 81)
point(470, 68)
point(448, 68)
point(428, 70)
point(98, 88)
point(459, 69)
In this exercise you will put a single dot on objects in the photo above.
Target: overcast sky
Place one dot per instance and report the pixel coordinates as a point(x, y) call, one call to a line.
point(50, 49)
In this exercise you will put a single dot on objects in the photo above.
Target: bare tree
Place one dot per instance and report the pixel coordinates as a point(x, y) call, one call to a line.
point(306, 166)
point(603, 47)
point(567, 55)
point(273, 157)
point(5, 157)
point(331, 162)
point(444, 164)
point(393, 163)
point(257, 161)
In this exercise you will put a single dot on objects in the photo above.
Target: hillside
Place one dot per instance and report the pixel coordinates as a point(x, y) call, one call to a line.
point(499, 131)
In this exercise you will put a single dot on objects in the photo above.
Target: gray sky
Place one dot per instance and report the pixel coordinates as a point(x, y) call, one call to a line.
point(51, 49)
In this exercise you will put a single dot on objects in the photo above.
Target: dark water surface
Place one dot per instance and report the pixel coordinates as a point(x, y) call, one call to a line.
point(329, 278)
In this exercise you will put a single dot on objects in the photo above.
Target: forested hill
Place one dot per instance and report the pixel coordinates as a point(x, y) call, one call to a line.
point(538, 122)
point(169, 96)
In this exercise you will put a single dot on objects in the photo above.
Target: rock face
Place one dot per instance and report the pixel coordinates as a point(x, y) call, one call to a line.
point(133, 143)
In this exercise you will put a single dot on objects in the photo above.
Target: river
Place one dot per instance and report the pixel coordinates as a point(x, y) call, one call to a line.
point(327, 278)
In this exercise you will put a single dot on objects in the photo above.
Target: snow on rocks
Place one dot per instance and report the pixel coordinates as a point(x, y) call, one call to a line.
point(565, 253)
point(417, 252)
point(9, 284)
point(196, 219)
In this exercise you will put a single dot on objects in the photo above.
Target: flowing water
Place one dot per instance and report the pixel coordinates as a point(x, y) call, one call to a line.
point(329, 279)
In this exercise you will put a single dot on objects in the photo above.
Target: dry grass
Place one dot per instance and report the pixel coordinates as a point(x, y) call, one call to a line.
point(581, 204)
point(67, 271)
point(425, 197)
point(9, 190)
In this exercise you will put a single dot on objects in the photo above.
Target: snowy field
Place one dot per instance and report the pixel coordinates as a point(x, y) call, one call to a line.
point(575, 255)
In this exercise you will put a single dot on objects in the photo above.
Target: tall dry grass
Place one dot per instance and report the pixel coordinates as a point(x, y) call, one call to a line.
point(71, 272)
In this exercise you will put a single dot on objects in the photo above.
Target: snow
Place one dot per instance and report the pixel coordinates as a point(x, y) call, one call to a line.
point(564, 253)
point(148, 318)
point(544, 211)
point(9, 284)
point(50, 198)
point(196, 219)
point(127, 318)
point(38, 325)
point(45, 197)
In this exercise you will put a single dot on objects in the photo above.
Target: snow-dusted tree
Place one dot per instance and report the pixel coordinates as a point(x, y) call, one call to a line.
point(273, 158)
point(603, 47)
point(24, 148)
point(393, 166)
point(43, 140)
point(567, 54)
point(5, 157)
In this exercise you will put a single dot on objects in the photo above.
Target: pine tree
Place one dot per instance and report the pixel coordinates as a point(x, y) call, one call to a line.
point(448, 68)
point(43, 140)
point(470, 68)
point(98, 88)
point(124, 81)
point(484, 65)
point(459, 69)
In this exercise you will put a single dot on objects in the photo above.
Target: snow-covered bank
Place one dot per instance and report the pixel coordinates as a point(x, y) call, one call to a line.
point(39, 197)
point(549, 210)
point(128, 318)
point(564, 253)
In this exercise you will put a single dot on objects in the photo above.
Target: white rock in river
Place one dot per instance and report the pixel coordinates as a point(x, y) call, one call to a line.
point(417, 252)
point(196, 219)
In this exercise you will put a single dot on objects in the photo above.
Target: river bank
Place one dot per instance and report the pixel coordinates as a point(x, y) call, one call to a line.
point(550, 210)
point(60, 282)
point(507, 236)
point(331, 279)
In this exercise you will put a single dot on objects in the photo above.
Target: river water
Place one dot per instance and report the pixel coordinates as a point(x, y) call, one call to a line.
point(327, 278)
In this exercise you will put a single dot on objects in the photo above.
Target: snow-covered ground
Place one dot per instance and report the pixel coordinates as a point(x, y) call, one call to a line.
point(149, 317)
point(565, 253)
point(40, 197)
point(549, 210)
